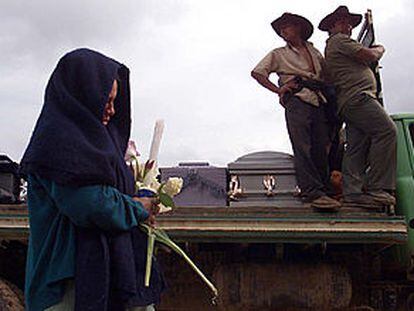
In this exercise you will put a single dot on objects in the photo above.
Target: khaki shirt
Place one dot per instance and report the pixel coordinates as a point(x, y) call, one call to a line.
point(350, 76)
point(287, 63)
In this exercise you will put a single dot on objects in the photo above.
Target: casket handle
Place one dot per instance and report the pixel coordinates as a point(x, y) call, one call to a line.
point(269, 183)
point(235, 190)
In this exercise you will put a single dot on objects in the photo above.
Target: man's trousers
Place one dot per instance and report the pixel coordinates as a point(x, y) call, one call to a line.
point(309, 133)
point(370, 154)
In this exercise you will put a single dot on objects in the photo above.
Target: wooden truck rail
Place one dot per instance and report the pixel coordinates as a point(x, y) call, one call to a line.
point(258, 224)
point(253, 224)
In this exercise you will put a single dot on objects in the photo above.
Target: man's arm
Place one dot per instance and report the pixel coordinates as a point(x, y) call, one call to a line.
point(370, 55)
point(357, 51)
point(265, 82)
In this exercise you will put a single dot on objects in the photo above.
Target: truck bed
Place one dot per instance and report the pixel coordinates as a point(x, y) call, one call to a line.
point(288, 225)
point(254, 224)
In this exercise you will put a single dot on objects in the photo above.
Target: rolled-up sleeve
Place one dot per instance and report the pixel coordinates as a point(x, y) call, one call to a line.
point(267, 65)
point(97, 206)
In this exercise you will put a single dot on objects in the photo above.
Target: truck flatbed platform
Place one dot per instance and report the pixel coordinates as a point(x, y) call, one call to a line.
point(269, 224)
point(254, 224)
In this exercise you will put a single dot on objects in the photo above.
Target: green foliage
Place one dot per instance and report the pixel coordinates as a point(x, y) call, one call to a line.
point(166, 200)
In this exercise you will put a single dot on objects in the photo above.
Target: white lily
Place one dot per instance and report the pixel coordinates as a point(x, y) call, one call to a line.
point(146, 177)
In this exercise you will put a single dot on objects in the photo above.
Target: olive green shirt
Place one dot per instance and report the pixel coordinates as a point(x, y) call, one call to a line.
point(350, 76)
point(287, 63)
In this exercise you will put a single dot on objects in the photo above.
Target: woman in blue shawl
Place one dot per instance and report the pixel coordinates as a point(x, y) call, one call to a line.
point(85, 251)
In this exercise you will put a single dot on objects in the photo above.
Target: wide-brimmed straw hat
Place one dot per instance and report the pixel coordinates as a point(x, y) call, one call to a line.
point(342, 11)
point(289, 18)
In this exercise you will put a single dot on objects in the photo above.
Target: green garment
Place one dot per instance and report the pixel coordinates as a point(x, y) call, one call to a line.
point(54, 211)
point(350, 77)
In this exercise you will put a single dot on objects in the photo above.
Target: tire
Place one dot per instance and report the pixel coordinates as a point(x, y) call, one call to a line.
point(11, 298)
point(410, 302)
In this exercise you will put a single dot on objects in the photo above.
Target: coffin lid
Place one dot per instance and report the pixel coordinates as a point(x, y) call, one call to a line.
point(263, 160)
point(7, 165)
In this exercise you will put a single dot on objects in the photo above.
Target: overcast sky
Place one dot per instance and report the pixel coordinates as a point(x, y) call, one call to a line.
point(190, 65)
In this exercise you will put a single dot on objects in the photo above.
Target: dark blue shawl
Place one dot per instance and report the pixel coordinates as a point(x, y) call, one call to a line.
point(71, 146)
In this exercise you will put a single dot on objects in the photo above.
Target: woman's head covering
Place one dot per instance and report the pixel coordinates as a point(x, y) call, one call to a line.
point(70, 145)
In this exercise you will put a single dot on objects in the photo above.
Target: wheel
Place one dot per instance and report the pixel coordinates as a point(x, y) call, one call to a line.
point(410, 302)
point(11, 298)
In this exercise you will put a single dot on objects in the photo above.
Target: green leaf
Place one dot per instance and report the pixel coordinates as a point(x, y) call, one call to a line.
point(160, 188)
point(166, 200)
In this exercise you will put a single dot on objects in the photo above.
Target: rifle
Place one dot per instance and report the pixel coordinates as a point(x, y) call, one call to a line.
point(367, 38)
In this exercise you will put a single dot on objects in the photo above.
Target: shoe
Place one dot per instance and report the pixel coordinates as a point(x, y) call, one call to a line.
point(325, 202)
point(383, 197)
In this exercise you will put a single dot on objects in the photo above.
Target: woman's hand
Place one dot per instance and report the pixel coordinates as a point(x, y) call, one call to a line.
point(147, 203)
point(151, 205)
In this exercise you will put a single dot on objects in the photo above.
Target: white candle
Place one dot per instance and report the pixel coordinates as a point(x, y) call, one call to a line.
point(156, 140)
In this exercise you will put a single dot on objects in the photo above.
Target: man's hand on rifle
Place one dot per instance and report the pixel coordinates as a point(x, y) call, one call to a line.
point(283, 90)
point(287, 88)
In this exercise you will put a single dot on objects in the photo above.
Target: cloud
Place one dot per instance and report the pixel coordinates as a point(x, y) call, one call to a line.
point(190, 64)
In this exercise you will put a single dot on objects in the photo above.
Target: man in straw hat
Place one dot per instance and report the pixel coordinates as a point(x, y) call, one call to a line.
point(370, 158)
point(305, 118)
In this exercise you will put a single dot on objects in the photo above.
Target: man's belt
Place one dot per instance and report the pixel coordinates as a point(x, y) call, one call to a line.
point(327, 90)
point(313, 85)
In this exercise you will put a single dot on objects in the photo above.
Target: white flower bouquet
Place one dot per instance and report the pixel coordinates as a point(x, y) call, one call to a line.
point(147, 184)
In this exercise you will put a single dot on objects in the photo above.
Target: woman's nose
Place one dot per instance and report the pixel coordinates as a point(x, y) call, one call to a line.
point(111, 111)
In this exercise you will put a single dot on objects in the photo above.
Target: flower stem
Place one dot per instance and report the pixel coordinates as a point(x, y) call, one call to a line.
point(150, 251)
point(160, 236)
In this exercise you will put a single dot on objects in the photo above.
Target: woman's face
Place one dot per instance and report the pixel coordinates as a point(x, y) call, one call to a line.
point(109, 110)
